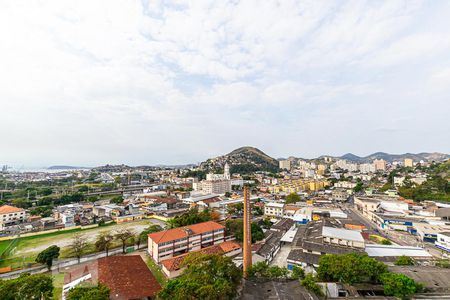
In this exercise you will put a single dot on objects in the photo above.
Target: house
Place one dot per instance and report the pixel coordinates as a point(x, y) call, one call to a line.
point(127, 277)
point(173, 242)
point(10, 215)
point(274, 209)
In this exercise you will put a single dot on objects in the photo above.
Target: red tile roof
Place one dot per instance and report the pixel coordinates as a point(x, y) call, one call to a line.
point(7, 209)
point(128, 277)
point(211, 200)
point(81, 271)
point(174, 263)
point(181, 232)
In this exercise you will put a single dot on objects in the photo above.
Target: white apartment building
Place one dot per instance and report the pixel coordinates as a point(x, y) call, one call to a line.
point(274, 209)
point(215, 183)
point(10, 215)
point(216, 186)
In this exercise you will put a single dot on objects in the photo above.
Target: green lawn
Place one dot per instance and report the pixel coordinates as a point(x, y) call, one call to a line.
point(17, 260)
point(58, 282)
point(4, 245)
point(159, 275)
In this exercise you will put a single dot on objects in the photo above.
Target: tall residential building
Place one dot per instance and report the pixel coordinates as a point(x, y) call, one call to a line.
point(380, 164)
point(285, 164)
point(215, 183)
point(220, 186)
point(10, 215)
point(173, 242)
point(408, 162)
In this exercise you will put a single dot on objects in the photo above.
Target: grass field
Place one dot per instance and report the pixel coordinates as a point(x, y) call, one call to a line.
point(27, 248)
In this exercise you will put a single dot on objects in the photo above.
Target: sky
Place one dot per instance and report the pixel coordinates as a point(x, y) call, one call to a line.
point(172, 82)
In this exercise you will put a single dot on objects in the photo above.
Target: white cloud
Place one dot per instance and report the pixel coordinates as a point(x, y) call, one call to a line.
point(155, 81)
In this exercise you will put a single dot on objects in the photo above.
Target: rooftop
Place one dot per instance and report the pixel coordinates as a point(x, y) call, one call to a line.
point(181, 232)
point(175, 263)
point(7, 209)
point(433, 278)
point(394, 250)
point(275, 204)
point(128, 277)
point(343, 234)
point(276, 290)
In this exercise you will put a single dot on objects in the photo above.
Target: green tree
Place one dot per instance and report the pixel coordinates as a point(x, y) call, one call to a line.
point(350, 268)
point(117, 199)
point(205, 277)
point(27, 286)
point(48, 255)
point(104, 242)
point(143, 236)
point(193, 216)
point(263, 270)
point(46, 191)
point(292, 198)
point(310, 283)
point(399, 285)
point(237, 208)
point(78, 246)
point(297, 273)
point(83, 189)
point(359, 186)
point(123, 235)
point(386, 242)
point(82, 292)
point(236, 227)
point(404, 261)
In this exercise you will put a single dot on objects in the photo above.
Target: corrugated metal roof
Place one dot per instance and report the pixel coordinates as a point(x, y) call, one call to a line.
point(394, 250)
point(340, 233)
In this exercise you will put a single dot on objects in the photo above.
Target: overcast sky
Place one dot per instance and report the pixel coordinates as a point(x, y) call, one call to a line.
point(149, 82)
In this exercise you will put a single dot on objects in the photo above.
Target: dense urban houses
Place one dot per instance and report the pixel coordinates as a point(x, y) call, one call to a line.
point(173, 242)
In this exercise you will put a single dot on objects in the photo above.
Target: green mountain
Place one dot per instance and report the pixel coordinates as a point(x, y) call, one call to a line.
point(242, 160)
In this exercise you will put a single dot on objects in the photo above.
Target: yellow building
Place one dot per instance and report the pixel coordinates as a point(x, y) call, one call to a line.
point(408, 162)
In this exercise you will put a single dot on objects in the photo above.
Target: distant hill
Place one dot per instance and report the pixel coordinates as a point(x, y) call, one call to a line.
point(65, 168)
point(435, 156)
point(242, 160)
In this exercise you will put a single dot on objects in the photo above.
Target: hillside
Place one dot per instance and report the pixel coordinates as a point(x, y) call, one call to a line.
point(242, 160)
point(435, 156)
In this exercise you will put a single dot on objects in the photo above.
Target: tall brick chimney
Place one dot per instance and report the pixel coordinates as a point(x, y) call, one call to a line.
point(247, 239)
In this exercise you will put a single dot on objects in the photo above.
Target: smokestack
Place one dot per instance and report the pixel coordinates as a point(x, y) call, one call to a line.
point(247, 241)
